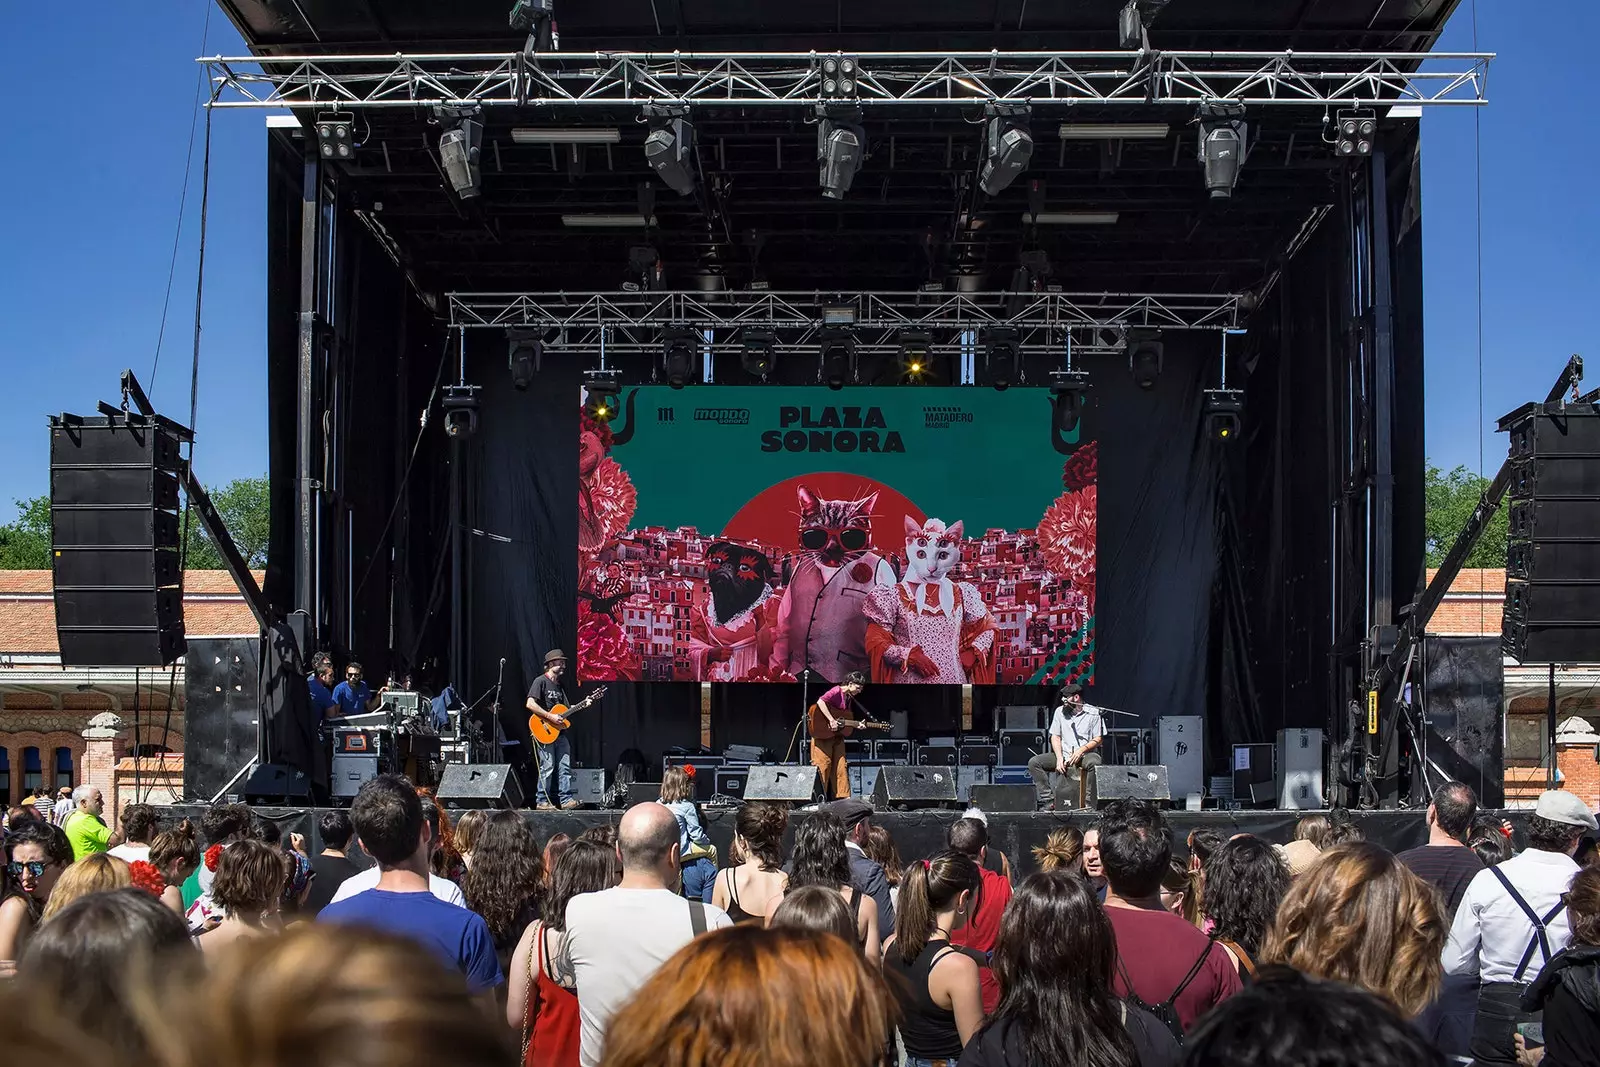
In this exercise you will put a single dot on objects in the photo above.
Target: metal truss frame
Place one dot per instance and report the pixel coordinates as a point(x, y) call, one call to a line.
point(587, 80)
point(628, 322)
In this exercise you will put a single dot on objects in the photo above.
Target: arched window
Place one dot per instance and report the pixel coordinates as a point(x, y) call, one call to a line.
point(5, 776)
point(32, 771)
point(65, 772)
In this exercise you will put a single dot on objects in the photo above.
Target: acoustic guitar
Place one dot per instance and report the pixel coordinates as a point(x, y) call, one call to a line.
point(546, 734)
point(821, 731)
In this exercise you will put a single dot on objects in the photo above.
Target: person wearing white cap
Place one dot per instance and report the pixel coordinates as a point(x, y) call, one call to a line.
point(1513, 919)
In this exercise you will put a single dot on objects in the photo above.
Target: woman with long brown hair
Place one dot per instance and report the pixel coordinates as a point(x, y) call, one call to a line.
point(176, 854)
point(249, 889)
point(937, 990)
point(505, 883)
point(539, 998)
point(820, 858)
point(36, 854)
point(1568, 989)
point(1359, 916)
point(746, 996)
point(758, 880)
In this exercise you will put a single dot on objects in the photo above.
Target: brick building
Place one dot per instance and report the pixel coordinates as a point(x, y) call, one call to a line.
point(115, 727)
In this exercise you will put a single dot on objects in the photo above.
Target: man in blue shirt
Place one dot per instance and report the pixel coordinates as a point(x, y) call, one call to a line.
point(387, 815)
point(319, 683)
point(353, 695)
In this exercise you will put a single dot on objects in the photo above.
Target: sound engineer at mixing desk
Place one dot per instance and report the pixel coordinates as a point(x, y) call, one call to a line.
point(354, 696)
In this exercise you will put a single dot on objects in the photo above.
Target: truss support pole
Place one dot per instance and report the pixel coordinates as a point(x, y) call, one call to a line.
point(1382, 321)
point(305, 564)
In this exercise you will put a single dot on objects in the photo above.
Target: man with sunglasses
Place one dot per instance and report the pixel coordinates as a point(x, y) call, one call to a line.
point(353, 696)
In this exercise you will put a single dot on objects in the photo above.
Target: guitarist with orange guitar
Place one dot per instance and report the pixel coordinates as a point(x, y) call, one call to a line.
point(547, 704)
point(829, 728)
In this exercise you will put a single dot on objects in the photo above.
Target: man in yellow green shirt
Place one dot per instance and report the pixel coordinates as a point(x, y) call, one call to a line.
point(84, 828)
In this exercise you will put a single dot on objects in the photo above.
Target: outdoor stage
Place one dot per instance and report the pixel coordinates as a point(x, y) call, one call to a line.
point(920, 834)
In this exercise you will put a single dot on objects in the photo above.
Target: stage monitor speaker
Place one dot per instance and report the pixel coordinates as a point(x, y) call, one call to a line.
point(114, 534)
point(1010, 798)
point(730, 780)
point(479, 785)
point(277, 785)
point(220, 712)
point(1553, 551)
point(777, 782)
point(1110, 782)
point(902, 788)
point(1181, 746)
point(643, 793)
point(1300, 763)
point(589, 786)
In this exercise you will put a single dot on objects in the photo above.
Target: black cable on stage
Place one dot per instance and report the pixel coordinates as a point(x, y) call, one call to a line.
point(405, 480)
point(183, 198)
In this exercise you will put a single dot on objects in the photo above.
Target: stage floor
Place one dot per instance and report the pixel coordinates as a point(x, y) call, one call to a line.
point(921, 833)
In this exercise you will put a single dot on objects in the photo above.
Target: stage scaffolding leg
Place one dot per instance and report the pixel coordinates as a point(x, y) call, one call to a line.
point(305, 441)
point(1550, 726)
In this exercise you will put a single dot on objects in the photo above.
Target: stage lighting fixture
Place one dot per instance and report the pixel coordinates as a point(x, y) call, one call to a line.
point(601, 388)
point(460, 147)
point(1003, 351)
point(838, 314)
point(841, 146)
point(1068, 389)
point(525, 355)
point(915, 358)
point(758, 357)
point(1223, 408)
point(670, 152)
point(335, 139)
point(1222, 146)
point(678, 351)
point(1007, 146)
point(838, 357)
point(1113, 131)
point(1355, 131)
point(1144, 359)
point(536, 18)
point(460, 403)
point(565, 135)
point(839, 77)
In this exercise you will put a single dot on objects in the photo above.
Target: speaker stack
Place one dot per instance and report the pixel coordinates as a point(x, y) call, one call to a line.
point(115, 540)
point(1553, 551)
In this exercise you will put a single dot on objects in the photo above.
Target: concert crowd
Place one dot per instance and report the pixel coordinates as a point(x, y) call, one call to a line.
point(413, 935)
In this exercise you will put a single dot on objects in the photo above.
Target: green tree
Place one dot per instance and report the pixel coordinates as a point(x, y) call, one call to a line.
point(1451, 496)
point(243, 505)
point(25, 542)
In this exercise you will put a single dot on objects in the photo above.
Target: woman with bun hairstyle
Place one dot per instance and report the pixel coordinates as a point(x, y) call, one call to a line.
point(745, 890)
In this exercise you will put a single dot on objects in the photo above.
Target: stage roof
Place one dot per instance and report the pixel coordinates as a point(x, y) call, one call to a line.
point(912, 215)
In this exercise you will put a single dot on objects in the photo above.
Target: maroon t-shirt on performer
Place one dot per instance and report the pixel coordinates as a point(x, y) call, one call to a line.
point(836, 700)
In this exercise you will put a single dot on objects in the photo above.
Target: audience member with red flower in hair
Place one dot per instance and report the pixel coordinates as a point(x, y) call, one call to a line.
point(220, 826)
point(249, 889)
point(176, 854)
point(146, 877)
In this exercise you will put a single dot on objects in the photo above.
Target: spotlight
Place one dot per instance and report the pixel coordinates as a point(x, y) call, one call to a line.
point(1068, 389)
point(460, 403)
point(914, 355)
point(460, 146)
point(334, 135)
point(839, 76)
point(678, 353)
point(1222, 144)
point(1008, 145)
point(668, 150)
point(525, 354)
point(1223, 408)
point(758, 358)
point(536, 18)
point(1003, 348)
point(1144, 358)
point(838, 357)
point(602, 389)
point(841, 145)
point(1355, 132)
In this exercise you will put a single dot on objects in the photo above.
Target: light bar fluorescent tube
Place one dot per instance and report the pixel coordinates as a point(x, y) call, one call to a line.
point(546, 135)
point(1113, 131)
point(1074, 218)
point(607, 221)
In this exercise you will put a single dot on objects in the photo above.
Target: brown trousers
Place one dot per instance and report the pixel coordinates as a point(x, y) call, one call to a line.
point(828, 758)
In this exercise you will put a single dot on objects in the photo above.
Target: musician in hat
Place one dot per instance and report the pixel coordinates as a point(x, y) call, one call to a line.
point(555, 759)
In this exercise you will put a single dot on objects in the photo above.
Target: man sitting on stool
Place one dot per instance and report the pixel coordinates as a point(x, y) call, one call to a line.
point(1075, 735)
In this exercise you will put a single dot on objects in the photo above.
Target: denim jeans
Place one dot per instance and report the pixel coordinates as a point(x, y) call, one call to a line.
point(915, 1061)
point(1494, 1032)
point(699, 877)
point(555, 759)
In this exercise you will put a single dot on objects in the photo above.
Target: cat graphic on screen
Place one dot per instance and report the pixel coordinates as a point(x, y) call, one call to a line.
point(820, 621)
point(928, 628)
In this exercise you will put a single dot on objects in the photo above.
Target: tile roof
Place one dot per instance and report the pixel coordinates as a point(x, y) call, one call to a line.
point(212, 607)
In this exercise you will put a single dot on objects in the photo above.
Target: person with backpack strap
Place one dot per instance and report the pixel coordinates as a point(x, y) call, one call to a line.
point(1164, 964)
point(1513, 919)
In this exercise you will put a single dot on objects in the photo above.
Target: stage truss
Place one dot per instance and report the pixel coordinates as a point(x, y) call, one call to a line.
point(630, 322)
point(886, 80)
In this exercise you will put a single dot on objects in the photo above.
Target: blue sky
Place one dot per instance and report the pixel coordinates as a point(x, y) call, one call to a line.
point(89, 229)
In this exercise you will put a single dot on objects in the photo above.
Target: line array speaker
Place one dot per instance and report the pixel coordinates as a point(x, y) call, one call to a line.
point(115, 541)
point(1553, 554)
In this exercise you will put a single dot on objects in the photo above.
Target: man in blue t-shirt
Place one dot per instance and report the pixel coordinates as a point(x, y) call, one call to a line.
point(319, 684)
point(387, 814)
point(353, 695)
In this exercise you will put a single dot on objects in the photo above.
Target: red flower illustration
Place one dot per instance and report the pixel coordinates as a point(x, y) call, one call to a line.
point(147, 877)
point(1082, 468)
point(1067, 539)
point(763, 673)
point(604, 651)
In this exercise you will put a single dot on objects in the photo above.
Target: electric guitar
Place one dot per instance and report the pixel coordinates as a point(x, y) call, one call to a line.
point(546, 734)
point(821, 731)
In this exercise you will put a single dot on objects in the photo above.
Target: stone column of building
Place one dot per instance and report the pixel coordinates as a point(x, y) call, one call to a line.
point(104, 744)
point(1575, 759)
